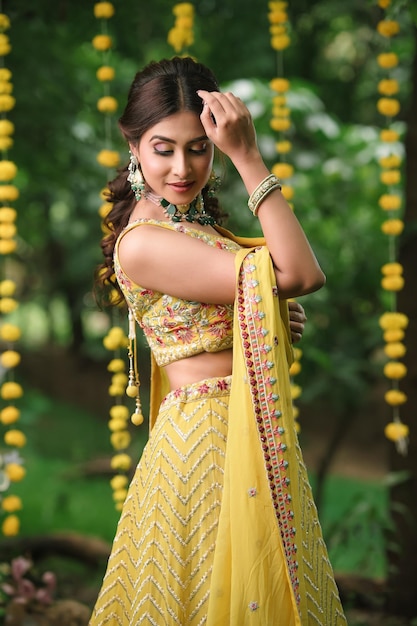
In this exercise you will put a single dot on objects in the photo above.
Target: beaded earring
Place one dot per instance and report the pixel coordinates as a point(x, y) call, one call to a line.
point(213, 184)
point(135, 177)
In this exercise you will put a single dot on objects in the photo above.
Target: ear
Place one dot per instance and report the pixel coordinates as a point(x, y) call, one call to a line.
point(133, 147)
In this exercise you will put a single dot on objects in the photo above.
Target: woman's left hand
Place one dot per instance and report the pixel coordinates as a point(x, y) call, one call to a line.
point(228, 124)
point(297, 320)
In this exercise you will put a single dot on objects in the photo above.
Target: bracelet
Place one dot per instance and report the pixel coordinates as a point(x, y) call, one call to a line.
point(268, 184)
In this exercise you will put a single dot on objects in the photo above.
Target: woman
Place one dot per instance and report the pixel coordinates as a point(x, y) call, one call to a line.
point(219, 526)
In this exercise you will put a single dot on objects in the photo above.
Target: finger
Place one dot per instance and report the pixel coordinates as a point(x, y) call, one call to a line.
point(296, 337)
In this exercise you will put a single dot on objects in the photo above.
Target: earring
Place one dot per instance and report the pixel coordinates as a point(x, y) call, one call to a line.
point(135, 177)
point(213, 184)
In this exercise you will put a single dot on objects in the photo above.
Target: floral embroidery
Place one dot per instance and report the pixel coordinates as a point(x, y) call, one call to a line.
point(176, 328)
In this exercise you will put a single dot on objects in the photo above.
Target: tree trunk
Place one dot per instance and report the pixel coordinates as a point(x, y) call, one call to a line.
point(402, 554)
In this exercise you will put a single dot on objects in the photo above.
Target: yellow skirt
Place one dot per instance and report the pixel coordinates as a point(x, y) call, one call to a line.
point(159, 571)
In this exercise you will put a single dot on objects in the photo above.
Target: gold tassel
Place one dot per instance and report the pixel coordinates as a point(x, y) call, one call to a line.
point(132, 389)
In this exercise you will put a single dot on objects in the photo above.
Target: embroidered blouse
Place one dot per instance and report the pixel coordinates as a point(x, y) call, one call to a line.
point(176, 328)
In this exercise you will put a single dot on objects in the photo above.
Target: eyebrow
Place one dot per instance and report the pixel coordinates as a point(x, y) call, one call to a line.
point(196, 140)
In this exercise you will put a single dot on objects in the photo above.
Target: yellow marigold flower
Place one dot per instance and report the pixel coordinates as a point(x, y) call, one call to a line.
point(390, 177)
point(395, 397)
point(12, 503)
point(395, 370)
point(114, 299)
point(392, 269)
point(280, 123)
point(115, 365)
point(5, 87)
point(384, 4)
point(118, 334)
point(288, 192)
point(121, 462)
point(120, 440)
point(280, 42)
point(8, 193)
point(5, 74)
point(277, 29)
point(7, 214)
point(9, 415)
point(298, 353)
point(279, 101)
point(116, 390)
point(15, 472)
point(388, 28)
point(278, 17)
point(10, 358)
point(102, 42)
point(282, 170)
point(7, 246)
point(387, 60)
point(119, 495)
point(282, 147)
point(4, 21)
point(184, 22)
point(117, 425)
point(392, 283)
point(5, 46)
point(119, 411)
point(7, 102)
point(7, 287)
point(389, 135)
point(388, 106)
point(393, 160)
point(10, 526)
point(105, 73)
point(10, 332)
point(388, 86)
point(8, 305)
point(7, 231)
point(390, 202)
point(105, 209)
point(103, 10)
point(5, 143)
point(395, 350)
point(11, 390)
point(104, 193)
point(119, 378)
point(295, 368)
point(280, 85)
point(281, 111)
point(396, 430)
point(276, 5)
point(392, 227)
point(108, 158)
point(393, 335)
point(107, 104)
point(180, 38)
point(118, 482)
point(295, 391)
point(15, 438)
point(393, 321)
point(183, 9)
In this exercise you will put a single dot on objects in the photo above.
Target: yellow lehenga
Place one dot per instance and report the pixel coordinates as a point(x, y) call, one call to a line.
point(219, 526)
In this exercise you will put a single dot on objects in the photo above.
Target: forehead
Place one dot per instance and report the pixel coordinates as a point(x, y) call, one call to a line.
point(181, 126)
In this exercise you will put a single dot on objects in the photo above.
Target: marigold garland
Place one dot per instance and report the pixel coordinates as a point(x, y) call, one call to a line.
point(11, 469)
point(392, 323)
point(116, 340)
point(181, 35)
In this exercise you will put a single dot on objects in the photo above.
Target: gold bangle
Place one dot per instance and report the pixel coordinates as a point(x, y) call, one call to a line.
point(268, 184)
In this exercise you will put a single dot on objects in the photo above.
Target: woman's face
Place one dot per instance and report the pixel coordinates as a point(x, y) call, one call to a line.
point(176, 157)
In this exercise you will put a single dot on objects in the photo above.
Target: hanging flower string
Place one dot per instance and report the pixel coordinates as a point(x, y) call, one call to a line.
point(281, 123)
point(11, 463)
point(393, 323)
point(116, 340)
point(181, 35)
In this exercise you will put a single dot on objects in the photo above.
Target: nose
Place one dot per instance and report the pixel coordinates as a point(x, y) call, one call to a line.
point(182, 165)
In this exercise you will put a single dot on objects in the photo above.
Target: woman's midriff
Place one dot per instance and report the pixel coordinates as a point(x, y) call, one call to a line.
point(199, 367)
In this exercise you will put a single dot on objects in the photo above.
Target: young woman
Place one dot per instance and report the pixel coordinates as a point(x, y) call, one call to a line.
point(219, 526)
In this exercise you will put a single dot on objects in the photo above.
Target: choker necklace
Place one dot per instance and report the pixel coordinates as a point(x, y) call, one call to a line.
point(193, 212)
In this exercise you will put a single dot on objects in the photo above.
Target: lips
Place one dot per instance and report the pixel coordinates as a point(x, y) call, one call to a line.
point(182, 187)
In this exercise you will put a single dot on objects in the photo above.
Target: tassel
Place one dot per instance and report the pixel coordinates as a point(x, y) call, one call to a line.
point(132, 389)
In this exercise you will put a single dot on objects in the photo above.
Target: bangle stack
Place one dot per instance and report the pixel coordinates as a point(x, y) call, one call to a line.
point(268, 184)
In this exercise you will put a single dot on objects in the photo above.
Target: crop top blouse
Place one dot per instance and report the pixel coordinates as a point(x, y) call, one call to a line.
point(176, 328)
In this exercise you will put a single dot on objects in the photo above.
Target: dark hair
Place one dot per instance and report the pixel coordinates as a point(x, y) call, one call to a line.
point(159, 90)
